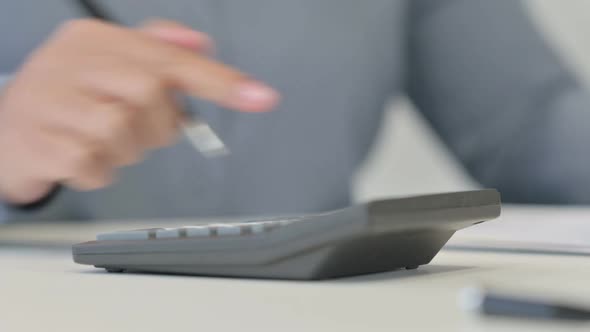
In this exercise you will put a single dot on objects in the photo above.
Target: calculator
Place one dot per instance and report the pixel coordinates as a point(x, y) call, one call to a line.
point(377, 236)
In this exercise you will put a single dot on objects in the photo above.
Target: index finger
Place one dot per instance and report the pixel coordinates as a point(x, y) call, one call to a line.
point(205, 78)
point(211, 80)
point(188, 71)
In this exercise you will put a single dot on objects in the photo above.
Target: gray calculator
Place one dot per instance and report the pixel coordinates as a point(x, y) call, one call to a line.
point(373, 237)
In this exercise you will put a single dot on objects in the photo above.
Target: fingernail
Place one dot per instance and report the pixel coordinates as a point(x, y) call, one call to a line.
point(255, 92)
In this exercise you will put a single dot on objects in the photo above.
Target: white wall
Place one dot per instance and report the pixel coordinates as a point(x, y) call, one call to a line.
point(410, 159)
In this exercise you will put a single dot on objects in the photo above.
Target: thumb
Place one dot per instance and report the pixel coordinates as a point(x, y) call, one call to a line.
point(179, 35)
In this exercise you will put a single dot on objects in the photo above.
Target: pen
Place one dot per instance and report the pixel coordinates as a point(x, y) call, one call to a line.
point(490, 303)
point(198, 132)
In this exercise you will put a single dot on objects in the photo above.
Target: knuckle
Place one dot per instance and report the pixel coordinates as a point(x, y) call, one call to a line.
point(89, 182)
point(82, 158)
point(78, 25)
point(168, 132)
point(129, 159)
point(125, 154)
point(121, 121)
point(173, 132)
point(80, 184)
point(149, 87)
point(166, 138)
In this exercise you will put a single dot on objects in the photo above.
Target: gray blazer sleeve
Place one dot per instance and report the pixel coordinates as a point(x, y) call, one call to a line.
point(500, 98)
point(4, 215)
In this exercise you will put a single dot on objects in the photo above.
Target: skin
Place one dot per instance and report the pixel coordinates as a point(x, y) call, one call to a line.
point(96, 97)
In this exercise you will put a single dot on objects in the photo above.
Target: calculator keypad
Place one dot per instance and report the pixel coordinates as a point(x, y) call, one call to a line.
point(210, 230)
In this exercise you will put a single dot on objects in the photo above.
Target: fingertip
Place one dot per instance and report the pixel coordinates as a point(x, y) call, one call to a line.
point(253, 96)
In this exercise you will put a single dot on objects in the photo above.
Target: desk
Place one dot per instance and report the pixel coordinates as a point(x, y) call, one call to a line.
point(43, 290)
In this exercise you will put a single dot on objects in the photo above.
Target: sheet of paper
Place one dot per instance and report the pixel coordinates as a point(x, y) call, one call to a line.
point(530, 229)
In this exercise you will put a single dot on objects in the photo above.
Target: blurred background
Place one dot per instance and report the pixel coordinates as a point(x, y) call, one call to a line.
point(409, 158)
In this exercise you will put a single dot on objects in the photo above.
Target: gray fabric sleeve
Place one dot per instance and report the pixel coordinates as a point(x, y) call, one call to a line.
point(4, 215)
point(501, 99)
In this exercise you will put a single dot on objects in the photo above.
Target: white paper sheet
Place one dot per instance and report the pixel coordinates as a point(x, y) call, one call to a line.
point(531, 229)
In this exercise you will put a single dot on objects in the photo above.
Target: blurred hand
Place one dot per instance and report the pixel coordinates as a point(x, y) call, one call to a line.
point(96, 97)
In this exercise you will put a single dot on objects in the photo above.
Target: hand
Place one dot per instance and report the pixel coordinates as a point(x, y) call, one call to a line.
point(96, 97)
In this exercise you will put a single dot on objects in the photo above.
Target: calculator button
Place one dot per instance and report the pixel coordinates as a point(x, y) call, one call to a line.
point(124, 236)
point(256, 227)
point(197, 231)
point(286, 222)
point(167, 233)
point(271, 225)
point(228, 230)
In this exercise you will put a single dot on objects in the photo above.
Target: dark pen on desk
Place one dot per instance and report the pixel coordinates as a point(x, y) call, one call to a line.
point(495, 304)
point(198, 132)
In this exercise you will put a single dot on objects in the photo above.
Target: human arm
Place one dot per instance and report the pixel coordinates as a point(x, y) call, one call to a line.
point(501, 99)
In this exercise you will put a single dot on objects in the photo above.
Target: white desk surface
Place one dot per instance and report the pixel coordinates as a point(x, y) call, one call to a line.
point(43, 290)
